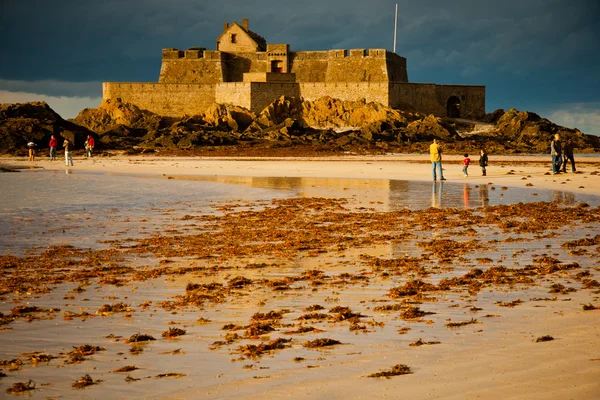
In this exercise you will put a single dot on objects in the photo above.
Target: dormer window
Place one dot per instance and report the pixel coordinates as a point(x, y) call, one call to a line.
point(233, 38)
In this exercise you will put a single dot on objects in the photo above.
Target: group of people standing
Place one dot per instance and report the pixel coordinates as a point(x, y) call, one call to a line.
point(435, 152)
point(561, 154)
point(67, 145)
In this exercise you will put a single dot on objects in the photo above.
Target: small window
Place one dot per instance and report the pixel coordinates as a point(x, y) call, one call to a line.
point(233, 38)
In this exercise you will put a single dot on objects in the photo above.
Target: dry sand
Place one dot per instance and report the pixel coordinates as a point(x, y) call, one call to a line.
point(501, 363)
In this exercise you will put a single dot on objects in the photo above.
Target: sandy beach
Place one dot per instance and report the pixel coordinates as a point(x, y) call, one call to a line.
point(518, 171)
point(494, 353)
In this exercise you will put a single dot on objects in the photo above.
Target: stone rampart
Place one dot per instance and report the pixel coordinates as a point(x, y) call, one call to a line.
point(264, 93)
point(433, 99)
point(370, 91)
point(174, 100)
point(237, 93)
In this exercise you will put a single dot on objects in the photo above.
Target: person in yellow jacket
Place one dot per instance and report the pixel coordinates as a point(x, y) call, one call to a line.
point(436, 160)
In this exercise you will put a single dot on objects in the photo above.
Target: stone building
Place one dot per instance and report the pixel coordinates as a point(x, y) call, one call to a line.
point(245, 70)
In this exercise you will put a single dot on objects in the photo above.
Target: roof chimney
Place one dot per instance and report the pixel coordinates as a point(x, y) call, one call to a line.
point(245, 24)
point(226, 26)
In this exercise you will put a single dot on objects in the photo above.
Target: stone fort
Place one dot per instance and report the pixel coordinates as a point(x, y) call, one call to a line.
point(246, 71)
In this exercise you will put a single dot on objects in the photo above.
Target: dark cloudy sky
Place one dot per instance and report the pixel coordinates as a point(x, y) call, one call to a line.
point(532, 55)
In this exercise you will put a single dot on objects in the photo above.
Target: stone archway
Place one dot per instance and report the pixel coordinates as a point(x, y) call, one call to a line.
point(453, 107)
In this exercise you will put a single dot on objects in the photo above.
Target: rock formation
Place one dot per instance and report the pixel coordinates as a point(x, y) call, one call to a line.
point(20, 123)
point(326, 123)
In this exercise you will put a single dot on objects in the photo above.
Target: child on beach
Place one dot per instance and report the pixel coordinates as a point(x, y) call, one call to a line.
point(483, 161)
point(466, 163)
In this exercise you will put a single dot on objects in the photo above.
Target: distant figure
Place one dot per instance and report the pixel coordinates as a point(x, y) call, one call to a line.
point(436, 159)
point(53, 145)
point(466, 162)
point(568, 155)
point(32, 146)
point(483, 161)
point(89, 146)
point(68, 152)
point(556, 151)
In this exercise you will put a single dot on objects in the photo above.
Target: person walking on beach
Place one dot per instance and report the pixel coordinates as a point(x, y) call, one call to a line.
point(53, 144)
point(466, 162)
point(568, 155)
point(32, 146)
point(68, 152)
point(483, 161)
point(556, 151)
point(89, 146)
point(436, 160)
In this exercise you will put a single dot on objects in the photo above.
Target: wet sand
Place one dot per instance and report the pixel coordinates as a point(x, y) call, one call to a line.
point(518, 171)
point(496, 356)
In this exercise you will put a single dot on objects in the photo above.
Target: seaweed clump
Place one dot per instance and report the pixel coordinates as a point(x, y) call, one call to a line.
point(311, 344)
point(85, 381)
point(545, 338)
point(398, 369)
point(21, 387)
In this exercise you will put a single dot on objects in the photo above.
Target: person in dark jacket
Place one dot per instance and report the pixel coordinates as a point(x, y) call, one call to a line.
point(556, 152)
point(568, 155)
point(483, 161)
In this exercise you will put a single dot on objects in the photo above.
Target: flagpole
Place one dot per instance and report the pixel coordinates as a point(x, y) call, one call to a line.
point(395, 26)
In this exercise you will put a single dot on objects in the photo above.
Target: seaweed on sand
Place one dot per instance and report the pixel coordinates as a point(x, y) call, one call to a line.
point(414, 312)
point(545, 338)
point(398, 369)
point(258, 328)
point(590, 307)
point(85, 381)
point(21, 387)
point(108, 309)
point(421, 342)
point(324, 342)
point(173, 332)
point(79, 353)
point(253, 351)
point(462, 323)
point(126, 368)
point(412, 288)
point(138, 337)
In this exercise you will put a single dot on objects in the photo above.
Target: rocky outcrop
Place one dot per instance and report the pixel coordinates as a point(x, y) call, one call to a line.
point(325, 123)
point(528, 132)
point(112, 113)
point(36, 121)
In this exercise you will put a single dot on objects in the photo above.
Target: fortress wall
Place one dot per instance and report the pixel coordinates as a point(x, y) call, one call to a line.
point(185, 70)
point(472, 98)
point(264, 93)
point(237, 64)
point(309, 66)
point(173, 100)
point(396, 66)
point(370, 91)
point(356, 68)
point(430, 98)
point(420, 96)
point(237, 93)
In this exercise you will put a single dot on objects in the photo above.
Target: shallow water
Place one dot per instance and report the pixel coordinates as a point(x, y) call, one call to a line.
point(42, 208)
